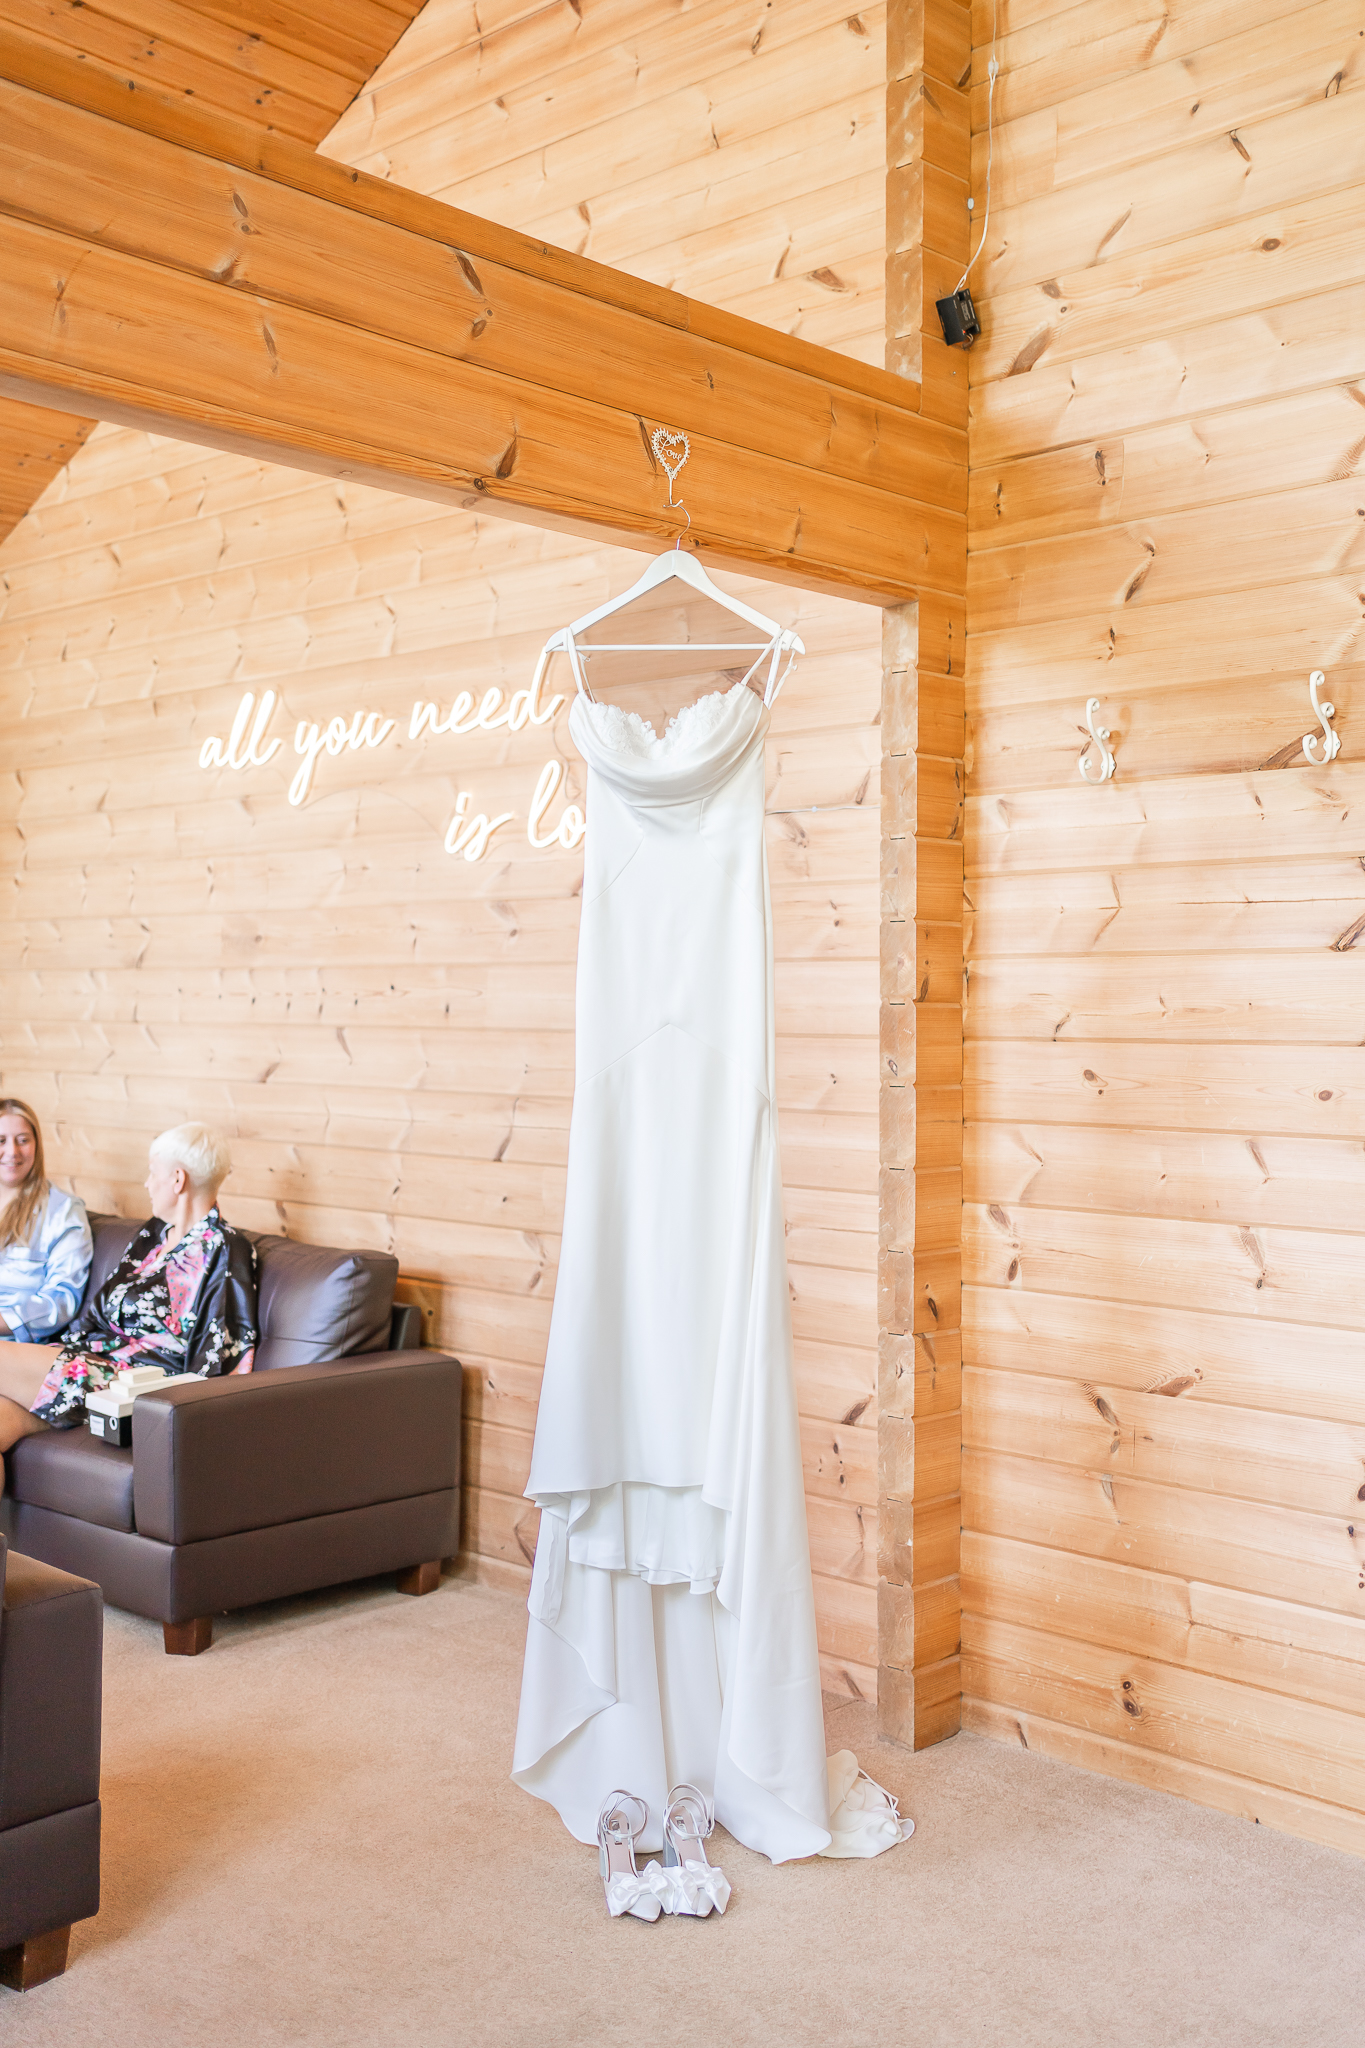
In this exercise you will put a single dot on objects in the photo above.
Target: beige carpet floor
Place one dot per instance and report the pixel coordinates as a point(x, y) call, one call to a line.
point(310, 1839)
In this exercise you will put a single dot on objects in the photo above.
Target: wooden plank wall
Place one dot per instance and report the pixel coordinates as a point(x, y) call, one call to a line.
point(386, 1033)
point(1164, 1558)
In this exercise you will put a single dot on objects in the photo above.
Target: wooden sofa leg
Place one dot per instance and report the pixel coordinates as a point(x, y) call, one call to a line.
point(187, 1638)
point(421, 1578)
point(32, 1962)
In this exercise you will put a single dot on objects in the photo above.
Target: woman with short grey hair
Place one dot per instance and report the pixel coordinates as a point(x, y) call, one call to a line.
point(200, 1151)
point(183, 1297)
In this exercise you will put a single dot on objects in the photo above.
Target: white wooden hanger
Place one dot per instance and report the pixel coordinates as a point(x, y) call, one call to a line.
point(777, 640)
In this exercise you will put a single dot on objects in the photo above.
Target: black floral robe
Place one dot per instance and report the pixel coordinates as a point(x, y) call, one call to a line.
point(188, 1307)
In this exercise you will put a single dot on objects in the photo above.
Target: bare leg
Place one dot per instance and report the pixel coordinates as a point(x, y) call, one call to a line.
point(23, 1368)
point(14, 1423)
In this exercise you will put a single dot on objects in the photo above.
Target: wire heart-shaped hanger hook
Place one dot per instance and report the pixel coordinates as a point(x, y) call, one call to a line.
point(672, 447)
point(666, 443)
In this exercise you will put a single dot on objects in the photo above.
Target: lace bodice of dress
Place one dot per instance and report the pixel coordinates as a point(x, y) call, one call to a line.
point(626, 732)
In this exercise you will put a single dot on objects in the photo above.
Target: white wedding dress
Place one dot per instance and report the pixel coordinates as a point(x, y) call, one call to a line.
point(672, 1629)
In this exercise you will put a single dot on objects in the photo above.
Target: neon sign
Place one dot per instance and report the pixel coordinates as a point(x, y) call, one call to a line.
point(469, 832)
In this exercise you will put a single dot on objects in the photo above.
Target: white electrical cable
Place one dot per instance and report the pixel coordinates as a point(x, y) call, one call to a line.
point(992, 72)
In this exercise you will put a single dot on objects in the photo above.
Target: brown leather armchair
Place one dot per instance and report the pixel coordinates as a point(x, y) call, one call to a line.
point(337, 1458)
point(50, 1640)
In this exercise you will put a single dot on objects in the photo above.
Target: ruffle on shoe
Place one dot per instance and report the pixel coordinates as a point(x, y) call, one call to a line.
point(696, 1889)
point(864, 1818)
point(626, 1891)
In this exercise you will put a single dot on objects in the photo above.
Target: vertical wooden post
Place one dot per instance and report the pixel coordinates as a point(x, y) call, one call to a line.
point(920, 1381)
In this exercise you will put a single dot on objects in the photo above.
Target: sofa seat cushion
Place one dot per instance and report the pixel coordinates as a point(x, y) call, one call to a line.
point(72, 1472)
point(317, 1304)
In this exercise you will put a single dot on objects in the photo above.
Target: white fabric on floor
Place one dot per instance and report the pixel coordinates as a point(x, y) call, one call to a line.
point(864, 1818)
point(672, 1629)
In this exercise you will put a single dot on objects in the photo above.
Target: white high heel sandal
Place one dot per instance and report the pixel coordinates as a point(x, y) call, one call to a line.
point(627, 1889)
point(695, 1885)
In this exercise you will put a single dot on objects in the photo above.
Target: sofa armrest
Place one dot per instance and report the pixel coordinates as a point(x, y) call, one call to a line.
point(50, 1672)
point(248, 1451)
point(405, 1327)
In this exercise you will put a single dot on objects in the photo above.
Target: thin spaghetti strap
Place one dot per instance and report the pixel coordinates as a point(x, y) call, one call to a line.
point(757, 662)
point(775, 681)
point(561, 642)
point(571, 649)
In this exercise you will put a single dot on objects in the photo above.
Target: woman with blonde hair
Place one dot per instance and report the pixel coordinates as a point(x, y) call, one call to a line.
point(44, 1235)
point(183, 1297)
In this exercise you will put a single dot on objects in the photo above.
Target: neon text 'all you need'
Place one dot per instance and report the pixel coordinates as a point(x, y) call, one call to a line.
point(468, 834)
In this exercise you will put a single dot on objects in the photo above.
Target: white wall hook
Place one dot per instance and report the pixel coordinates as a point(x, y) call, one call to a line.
point(1099, 737)
point(1321, 751)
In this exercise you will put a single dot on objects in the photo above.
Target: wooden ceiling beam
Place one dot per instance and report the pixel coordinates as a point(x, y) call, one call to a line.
point(35, 444)
point(295, 74)
point(180, 54)
point(181, 271)
point(294, 65)
point(347, 36)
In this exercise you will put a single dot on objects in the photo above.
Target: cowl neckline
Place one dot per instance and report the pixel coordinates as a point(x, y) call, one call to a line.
point(699, 752)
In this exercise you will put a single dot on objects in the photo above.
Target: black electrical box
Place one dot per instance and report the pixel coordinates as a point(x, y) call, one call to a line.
point(958, 319)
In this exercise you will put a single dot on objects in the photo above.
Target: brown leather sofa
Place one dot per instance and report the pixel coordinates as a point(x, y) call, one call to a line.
point(337, 1458)
point(50, 1640)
